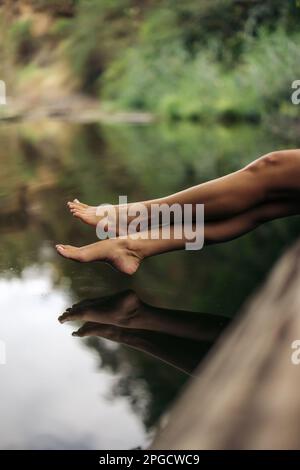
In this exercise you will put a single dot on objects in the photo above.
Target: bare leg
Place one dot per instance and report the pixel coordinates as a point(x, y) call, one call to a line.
point(126, 253)
point(269, 178)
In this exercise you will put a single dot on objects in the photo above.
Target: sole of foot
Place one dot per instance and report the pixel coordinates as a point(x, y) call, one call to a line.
point(117, 252)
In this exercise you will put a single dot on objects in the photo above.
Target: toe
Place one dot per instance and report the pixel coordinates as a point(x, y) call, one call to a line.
point(74, 205)
point(68, 316)
point(79, 333)
point(80, 204)
point(64, 317)
point(60, 247)
point(61, 250)
point(67, 251)
point(81, 215)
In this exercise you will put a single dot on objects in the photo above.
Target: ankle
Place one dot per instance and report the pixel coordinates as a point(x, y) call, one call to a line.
point(132, 246)
point(134, 209)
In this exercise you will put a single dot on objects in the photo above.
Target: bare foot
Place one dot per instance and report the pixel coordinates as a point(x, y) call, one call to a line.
point(118, 252)
point(108, 216)
point(88, 214)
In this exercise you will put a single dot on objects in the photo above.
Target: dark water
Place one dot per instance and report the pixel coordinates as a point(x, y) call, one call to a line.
point(108, 389)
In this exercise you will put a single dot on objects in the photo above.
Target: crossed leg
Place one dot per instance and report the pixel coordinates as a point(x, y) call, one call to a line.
point(271, 177)
point(235, 204)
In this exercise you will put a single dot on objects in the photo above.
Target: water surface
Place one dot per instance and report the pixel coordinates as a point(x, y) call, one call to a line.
point(107, 390)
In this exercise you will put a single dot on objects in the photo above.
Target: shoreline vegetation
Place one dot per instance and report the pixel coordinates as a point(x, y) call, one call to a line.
point(225, 61)
point(210, 82)
point(75, 108)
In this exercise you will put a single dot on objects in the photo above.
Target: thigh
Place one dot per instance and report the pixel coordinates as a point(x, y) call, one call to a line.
point(217, 232)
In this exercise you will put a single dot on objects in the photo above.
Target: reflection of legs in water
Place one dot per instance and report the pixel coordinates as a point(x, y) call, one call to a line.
point(126, 253)
point(182, 353)
point(126, 310)
point(269, 178)
point(177, 337)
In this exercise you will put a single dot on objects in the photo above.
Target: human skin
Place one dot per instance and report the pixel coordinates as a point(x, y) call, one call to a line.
point(270, 178)
point(162, 333)
point(266, 189)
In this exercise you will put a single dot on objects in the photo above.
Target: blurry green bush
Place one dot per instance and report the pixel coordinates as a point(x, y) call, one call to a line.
point(214, 59)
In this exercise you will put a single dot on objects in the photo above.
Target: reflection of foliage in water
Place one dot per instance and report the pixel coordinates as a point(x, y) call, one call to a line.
point(60, 161)
point(44, 167)
point(149, 384)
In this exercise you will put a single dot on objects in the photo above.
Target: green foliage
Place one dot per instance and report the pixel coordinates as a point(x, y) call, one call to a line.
point(61, 28)
point(56, 7)
point(98, 29)
point(270, 65)
point(21, 40)
point(208, 60)
point(180, 86)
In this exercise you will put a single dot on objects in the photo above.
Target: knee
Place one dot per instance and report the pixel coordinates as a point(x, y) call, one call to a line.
point(267, 163)
point(273, 159)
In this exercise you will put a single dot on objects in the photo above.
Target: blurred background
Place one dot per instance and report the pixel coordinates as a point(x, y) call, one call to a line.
point(137, 98)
